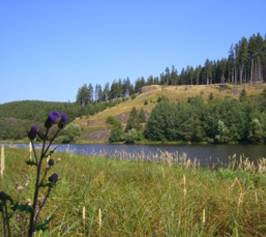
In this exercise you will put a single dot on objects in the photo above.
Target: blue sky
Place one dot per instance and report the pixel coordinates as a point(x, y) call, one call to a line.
point(49, 48)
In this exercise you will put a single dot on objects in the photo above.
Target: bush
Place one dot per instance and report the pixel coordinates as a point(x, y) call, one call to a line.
point(71, 132)
point(117, 133)
point(132, 136)
point(133, 96)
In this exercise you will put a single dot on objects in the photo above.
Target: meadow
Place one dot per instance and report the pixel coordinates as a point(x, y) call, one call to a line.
point(96, 196)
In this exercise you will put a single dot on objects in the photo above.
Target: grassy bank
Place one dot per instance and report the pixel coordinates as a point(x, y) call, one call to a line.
point(135, 198)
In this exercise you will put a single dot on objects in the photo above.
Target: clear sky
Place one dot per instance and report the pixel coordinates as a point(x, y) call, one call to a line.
point(49, 48)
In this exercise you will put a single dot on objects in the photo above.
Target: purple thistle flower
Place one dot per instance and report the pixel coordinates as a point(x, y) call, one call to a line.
point(53, 178)
point(63, 120)
point(51, 162)
point(33, 132)
point(53, 118)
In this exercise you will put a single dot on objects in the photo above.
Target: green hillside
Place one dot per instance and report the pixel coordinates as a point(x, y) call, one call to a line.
point(94, 129)
point(88, 124)
point(17, 117)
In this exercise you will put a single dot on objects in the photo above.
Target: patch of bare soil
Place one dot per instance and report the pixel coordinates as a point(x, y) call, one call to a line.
point(101, 135)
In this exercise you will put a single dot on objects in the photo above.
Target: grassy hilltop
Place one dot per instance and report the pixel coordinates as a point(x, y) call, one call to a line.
point(94, 129)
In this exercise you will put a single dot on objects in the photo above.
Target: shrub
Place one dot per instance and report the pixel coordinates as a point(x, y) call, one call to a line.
point(70, 133)
point(132, 136)
point(117, 133)
point(133, 96)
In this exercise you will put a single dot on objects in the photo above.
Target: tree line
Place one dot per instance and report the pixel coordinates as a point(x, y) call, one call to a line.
point(216, 120)
point(245, 63)
point(225, 120)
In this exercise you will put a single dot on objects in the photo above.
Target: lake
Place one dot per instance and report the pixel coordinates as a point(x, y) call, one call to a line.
point(205, 154)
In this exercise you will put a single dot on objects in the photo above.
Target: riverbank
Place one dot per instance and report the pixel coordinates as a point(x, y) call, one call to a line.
point(136, 198)
point(205, 154)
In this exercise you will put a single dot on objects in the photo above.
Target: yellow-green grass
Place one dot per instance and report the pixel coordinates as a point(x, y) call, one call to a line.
point(141, 199)
point(95, 126)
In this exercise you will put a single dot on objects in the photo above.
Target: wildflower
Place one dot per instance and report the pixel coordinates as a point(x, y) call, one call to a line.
point(53, 118)
point(51, 162)
point(33, 132)
point(63, 120)
point(53, 178)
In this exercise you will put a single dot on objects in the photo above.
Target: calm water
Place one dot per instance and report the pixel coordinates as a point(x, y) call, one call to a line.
point(204, 153)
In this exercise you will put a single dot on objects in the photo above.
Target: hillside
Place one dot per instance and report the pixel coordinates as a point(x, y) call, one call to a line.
point(16, 117)
point(95, 130)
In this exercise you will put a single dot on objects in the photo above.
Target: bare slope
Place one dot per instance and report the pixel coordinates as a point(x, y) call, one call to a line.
point(95, 130)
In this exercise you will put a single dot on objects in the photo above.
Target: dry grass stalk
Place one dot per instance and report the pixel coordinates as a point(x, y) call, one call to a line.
point(2, 163)
point(262, 166)
point(184, 186)
point(100, 218)
point(84, 215)
point(256, 197)
point(179, 220)
point(48, 158)
point(203, 216)
point(236, 181)
point(240, 201)
point(30, 151)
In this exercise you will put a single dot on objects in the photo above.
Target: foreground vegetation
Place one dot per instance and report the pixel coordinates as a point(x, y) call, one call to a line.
point(104, 197)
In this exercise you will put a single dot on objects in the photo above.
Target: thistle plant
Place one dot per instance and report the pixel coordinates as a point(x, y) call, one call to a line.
point(44, 183)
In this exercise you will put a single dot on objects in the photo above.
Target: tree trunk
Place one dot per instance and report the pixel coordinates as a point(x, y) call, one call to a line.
point(252, 71)
point(241, 74)
point(235, 76)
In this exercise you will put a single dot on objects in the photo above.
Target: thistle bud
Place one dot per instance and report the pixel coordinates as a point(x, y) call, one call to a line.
point(33, 132)
point(63, 120)
point(53, 118)
point(51, 162)
point(53, 178)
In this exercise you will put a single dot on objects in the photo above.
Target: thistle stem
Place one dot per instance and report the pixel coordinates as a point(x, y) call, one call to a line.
point(36, 190)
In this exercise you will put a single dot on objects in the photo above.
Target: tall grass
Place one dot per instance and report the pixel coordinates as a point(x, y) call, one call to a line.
point(108, 197)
